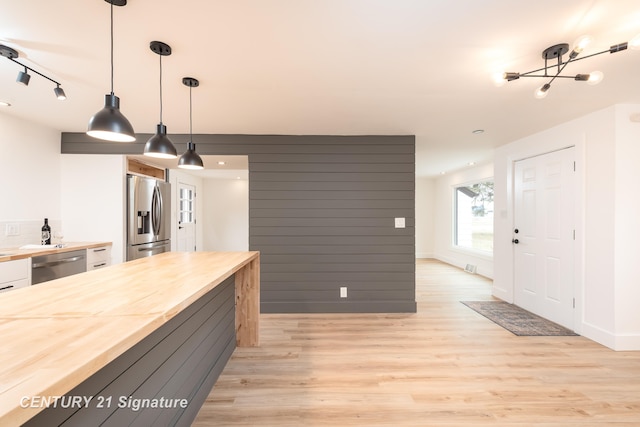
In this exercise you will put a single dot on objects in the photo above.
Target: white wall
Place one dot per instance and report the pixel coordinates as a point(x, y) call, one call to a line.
point(177, 176)
point(93, 200)
point(29, 178)
point(226, 221)
point(444, 250)
point(627, 227)
point(425, 217)
point(606, 287)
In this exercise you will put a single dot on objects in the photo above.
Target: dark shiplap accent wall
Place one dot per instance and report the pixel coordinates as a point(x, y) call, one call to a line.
point(321, 212)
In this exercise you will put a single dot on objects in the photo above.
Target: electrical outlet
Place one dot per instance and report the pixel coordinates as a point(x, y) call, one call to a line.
point(12, 230)
point(400, 222)
point(343, 291)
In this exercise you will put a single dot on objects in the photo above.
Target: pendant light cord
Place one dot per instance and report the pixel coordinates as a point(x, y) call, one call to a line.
point(111, 47)
point(160, 88)
point(190, 117)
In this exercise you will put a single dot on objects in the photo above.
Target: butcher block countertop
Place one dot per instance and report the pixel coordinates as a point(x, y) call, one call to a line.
point(56, 335)
point(11, 254)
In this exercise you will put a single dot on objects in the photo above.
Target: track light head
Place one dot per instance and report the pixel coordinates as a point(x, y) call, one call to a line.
point(60, 93)
point(23, 77)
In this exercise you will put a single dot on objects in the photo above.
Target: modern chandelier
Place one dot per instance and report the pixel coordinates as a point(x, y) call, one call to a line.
point(554, 70)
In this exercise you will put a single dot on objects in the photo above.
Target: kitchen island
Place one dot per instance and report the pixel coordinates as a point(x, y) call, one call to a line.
point(156, 331)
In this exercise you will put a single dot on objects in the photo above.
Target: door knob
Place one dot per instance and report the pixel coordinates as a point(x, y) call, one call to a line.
point(516, 241)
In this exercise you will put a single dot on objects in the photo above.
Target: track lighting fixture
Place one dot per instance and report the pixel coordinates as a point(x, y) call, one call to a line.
point(109, 123)
point(190, 159)
point(23, 76)
point(556, 53)
point(159, 145)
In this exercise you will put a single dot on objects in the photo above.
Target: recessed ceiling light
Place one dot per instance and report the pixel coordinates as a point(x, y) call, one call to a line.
point(443, 173)
point(477, 131)
point(4, 104)
point(472, 163)
point(222, 163)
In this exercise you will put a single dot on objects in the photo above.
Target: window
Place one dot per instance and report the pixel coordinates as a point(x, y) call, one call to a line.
point(473, 222)
point(187, 205)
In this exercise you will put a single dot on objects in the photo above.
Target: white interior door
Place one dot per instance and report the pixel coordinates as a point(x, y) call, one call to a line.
point(544, 235)
point(186, 218)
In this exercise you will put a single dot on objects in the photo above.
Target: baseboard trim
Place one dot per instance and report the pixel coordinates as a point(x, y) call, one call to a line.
point(339, 307)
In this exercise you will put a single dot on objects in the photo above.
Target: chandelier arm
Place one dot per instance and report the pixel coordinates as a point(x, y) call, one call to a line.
point(613, 49)
point(542, 75)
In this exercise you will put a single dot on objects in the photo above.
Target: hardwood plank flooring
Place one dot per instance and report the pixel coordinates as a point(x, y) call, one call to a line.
point(446, 365)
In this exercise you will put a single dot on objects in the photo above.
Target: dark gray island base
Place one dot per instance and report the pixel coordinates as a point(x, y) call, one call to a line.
point(161, 381)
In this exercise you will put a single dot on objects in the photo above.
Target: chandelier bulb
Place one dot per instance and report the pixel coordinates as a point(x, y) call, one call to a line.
point(499, 78)
point(580, 44)
point(634, 43)
point(595, 77)
point(542, 91)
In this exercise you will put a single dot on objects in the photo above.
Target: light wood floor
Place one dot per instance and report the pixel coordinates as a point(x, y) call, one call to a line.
point(444, 366)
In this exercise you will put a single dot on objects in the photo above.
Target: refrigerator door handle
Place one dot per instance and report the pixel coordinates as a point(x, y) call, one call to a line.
point(160, 211)
point(155, 211)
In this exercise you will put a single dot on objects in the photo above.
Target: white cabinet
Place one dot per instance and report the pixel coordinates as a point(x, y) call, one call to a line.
point(99, 257)
point(14, 274)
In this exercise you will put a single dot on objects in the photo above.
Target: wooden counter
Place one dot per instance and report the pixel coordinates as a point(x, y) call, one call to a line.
point(58, 334)
point(11, 254)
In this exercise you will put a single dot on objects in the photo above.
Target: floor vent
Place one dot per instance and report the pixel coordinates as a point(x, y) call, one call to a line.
point(470, 268)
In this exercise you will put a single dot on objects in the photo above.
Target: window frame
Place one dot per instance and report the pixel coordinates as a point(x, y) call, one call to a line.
point(454, 220)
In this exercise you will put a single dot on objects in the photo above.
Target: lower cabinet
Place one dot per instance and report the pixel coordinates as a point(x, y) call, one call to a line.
point(14, 274)
point(98, 257)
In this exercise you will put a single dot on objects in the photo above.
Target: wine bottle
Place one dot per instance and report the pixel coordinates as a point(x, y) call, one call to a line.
point(46, 233)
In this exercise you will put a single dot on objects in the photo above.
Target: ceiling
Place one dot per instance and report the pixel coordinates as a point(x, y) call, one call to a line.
point(340, 67)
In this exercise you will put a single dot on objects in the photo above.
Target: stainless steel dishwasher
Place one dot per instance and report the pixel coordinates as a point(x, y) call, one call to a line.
point(55, 266)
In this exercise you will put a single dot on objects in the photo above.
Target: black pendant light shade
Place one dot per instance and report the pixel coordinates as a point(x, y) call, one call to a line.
point(159, 145)
point(109, 123)
point(190, 159)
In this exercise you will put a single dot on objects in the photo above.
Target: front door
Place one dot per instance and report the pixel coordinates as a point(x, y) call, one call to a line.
point(186, 218)
point(544, 234)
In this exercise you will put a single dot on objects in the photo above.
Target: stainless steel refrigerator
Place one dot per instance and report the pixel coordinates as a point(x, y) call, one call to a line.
point(148, 217)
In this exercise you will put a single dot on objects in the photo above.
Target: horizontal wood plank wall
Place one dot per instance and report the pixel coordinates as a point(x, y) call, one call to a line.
point(180, 360)
point(321, 212)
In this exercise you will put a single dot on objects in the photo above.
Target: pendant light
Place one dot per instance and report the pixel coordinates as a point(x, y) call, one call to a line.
point(159, 145)
point(190, 159)
point(109, 123)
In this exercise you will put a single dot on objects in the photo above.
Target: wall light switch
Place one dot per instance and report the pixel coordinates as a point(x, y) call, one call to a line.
point(400, 223)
